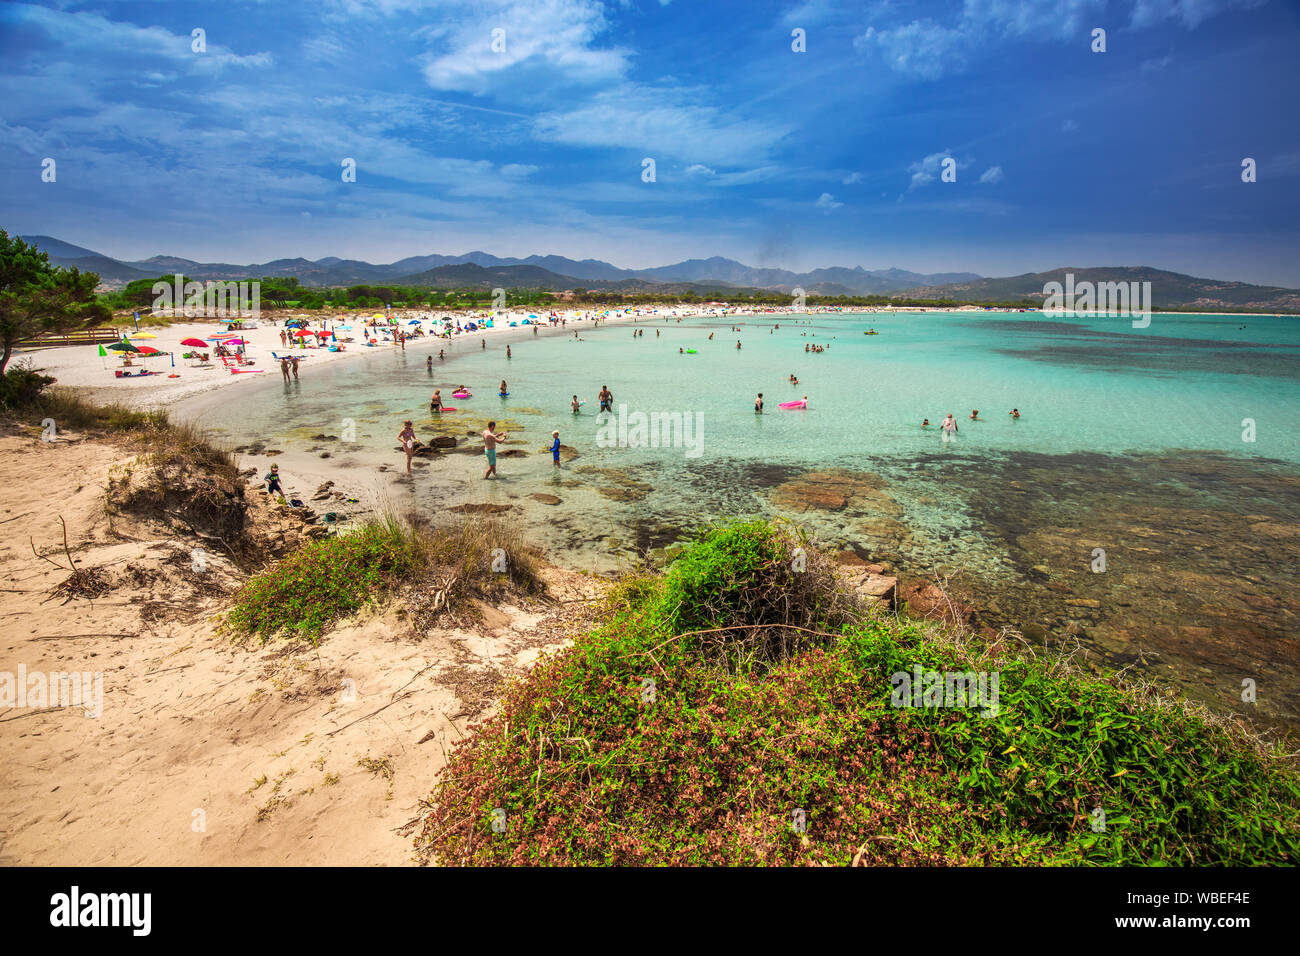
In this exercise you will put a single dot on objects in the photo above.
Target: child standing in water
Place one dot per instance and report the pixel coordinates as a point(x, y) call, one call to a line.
point(555, 448)
point(575, 404)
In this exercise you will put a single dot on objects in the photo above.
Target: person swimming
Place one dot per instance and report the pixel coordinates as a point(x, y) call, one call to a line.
point(503, 390)
point(926, 423)
point(1014, 413)
point(575, 404)
point(758, 404)
point(975, 415)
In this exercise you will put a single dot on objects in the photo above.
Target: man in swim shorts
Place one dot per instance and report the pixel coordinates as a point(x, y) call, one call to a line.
point(490, 439)
point(758, 405)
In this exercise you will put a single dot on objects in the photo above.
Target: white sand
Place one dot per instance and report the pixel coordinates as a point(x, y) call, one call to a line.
point(83, 368)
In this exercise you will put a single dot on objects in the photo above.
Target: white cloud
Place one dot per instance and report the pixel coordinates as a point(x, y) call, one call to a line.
point(992, 175)
point(696, 169)
point(1069, 126)
point(551, 42)
point(827, 201)
point(92, 37)
point(1151, 66)
point(660, 122)
point(1062, 19)
point(926, 170)
point(852, 178)
point(1191, 13)
point(921, 48)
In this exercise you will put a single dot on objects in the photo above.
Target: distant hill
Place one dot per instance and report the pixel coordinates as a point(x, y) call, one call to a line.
point(715, 274)
point(1168, 289)
point(558, 272)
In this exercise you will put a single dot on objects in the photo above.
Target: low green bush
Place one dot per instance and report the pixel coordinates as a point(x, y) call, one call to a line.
point(633, 747)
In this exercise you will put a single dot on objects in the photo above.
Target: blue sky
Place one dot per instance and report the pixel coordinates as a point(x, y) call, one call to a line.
point(777, 158)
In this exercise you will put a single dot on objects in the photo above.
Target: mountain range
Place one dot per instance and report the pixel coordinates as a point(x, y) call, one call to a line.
point(715, 274)
point(547, 272)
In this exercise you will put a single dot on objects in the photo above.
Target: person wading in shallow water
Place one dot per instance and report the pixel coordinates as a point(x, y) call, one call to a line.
point(606, 399)
point(949, 427)
point(407, 437)
point(490, 439)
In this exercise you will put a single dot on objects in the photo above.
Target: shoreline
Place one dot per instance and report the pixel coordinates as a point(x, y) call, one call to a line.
point(81, 368)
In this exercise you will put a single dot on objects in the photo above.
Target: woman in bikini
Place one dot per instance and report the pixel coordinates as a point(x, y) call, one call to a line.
point(407, 437)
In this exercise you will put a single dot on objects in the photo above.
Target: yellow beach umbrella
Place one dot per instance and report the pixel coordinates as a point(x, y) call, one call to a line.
point(145, 335)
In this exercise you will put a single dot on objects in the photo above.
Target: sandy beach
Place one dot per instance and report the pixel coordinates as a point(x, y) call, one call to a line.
point(83, 368)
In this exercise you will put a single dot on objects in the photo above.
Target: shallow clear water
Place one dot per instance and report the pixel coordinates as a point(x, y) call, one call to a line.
point(1099, 385)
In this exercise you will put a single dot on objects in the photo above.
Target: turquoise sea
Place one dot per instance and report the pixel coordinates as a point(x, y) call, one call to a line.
point(1174, 449)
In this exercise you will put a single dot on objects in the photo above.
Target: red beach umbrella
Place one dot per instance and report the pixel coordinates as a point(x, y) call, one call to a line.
point(194, 343)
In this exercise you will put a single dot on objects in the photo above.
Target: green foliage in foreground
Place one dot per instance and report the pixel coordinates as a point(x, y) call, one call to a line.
point(589, 770)
point(324, 581)
point(328, 580)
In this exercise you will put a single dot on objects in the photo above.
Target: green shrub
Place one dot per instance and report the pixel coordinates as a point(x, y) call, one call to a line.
point(323, 581)
point(328, 580)
point(21, 386)
point(633, 748)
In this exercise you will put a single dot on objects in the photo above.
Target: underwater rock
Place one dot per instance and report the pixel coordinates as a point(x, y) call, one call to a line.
point(478, 508)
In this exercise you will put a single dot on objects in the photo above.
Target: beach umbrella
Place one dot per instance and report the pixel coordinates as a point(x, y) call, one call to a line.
point(414, 322)
point(302, 333)
point(123, 346)
point(234, 342)
point(193, 343)
point(148, 350)
point(145, 335)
